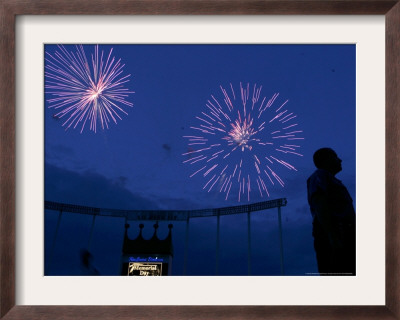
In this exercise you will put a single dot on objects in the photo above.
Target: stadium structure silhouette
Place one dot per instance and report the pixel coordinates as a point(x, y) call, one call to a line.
point(172, 215)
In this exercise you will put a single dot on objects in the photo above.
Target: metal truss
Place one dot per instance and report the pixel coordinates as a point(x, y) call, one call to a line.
point(168, 215)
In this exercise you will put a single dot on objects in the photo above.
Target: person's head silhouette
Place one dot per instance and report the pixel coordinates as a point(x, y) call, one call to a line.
point(327, 159)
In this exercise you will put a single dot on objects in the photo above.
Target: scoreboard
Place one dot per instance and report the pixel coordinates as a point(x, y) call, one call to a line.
point(145, 265)
point(144, 269)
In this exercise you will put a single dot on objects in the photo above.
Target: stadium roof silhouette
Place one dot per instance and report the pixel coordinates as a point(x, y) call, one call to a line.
point(170, 215)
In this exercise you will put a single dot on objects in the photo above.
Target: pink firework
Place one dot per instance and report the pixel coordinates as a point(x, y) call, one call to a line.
point(86, 92)
point(242, 141)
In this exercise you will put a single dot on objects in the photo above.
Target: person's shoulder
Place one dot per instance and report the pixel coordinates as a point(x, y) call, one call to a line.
point(320, 178)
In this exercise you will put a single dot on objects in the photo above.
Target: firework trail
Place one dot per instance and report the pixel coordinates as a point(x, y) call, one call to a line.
point(242, 140)
point(86, 91)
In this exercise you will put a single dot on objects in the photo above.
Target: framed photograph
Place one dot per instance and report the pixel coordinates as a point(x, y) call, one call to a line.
point(130, 124)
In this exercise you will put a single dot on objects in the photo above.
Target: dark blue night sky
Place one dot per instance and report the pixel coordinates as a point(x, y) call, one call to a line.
point(138, 162)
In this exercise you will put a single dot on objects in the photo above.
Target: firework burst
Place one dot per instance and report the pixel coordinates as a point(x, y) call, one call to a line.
point(241, 142)
point(86, 92)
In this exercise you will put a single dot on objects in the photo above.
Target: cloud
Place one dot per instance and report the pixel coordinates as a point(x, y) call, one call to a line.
point(120, 181)
point(91, 189)
point(63, 156)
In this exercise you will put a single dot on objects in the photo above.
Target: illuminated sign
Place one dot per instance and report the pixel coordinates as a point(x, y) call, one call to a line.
point(147, 259)
point(144, 269)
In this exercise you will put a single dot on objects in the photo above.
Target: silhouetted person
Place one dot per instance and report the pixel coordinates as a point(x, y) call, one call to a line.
point(88, 269)
point(333, 216)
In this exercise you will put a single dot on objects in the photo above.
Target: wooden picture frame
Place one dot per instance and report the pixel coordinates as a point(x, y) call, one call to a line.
point(9, 9)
